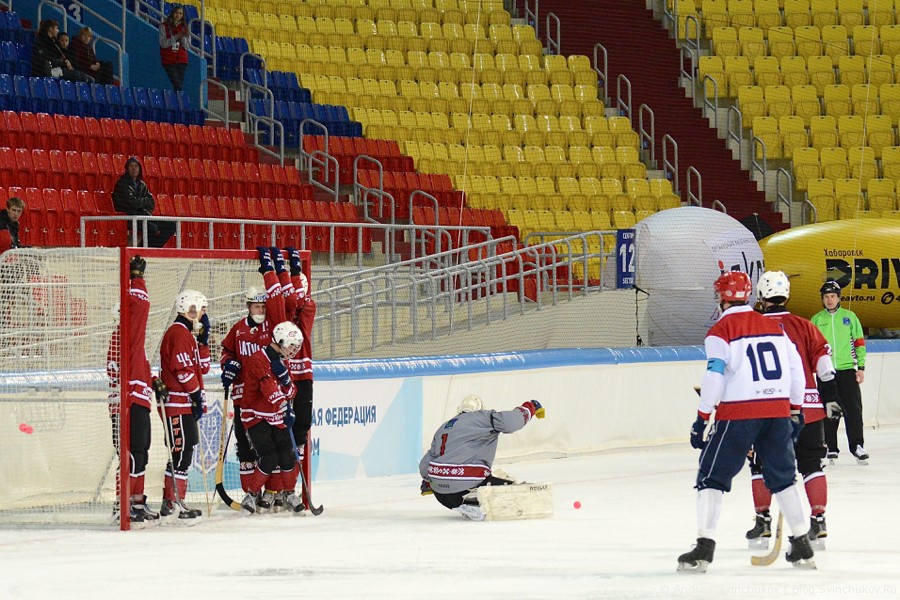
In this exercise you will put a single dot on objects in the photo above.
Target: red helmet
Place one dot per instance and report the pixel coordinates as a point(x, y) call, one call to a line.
point(733, 286)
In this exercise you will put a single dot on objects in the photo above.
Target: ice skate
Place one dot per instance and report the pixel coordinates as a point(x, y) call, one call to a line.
point(266, 503)
point(293, 503)
point(473, 512)
point(801, 553)
point(758, 537)
point(698, 559)
point(831, 457)
point(248, 504)
point(140, 509)
point(176, 513)
point(817, 531)
point(278, 503)
point(862, 457)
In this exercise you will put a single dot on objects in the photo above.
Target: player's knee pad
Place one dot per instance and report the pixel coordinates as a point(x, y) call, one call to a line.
point(809, 465)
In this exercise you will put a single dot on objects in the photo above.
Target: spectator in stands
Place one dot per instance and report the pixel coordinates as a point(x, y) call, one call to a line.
point(9, 224)
point(132, 197)
point(48, 59)
point(62, 40)
point(85, 59)
point(173, 39)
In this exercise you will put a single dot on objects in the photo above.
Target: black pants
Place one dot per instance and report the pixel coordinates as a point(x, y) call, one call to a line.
point(176, 74)
point(244, 450)
point(140, 438)
point(104, 74)
point(809, 450)
point(303, 403)
point(451, 501)
point(851, 403)
point(159, 232)
point(273, 446)
point(183, 434)
point(73, 75)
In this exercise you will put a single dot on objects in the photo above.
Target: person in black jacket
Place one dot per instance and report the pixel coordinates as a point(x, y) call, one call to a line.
point(132, 197)
point(48, 59)
point(9, 224)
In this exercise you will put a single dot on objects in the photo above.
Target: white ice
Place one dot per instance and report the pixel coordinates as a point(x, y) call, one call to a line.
point(379, 539)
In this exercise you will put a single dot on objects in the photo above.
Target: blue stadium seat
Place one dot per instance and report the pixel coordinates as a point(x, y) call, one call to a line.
point(38, 94)
point(142, 106)
point(171, 107)
point(85, 106)
point(101, 104)
point(114, 100)
point(129, 106)
point(6, 92)
point(54, 95)
point(158, 106)
point(69, 97)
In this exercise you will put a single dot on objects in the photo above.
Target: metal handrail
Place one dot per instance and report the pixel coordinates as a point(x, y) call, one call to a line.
point(224, 118)
point(808, 207)
point(717, 205)
point(739, 135)
point(670, 167)
point(648, 139)
point(754, 162)
point(434, 202)
point(120, 53)
point(273, 123)
point(688, 74)
point(692, 198)
point(623, 107)
point(243, 82)
point(711, 105)
point(553, 34)
point(782, 174)
point(602, 71)
point(688, 41)
point(65, 25)
point(357, 186)
point(199, 40)
point(303, 153)
point(323, 161)
point(531, 16)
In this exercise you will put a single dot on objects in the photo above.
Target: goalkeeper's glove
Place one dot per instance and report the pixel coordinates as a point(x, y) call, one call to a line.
point(534, 408)
point(138, 265)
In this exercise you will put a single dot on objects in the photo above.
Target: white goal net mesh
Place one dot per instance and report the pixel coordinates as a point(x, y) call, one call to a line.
point(59, 464)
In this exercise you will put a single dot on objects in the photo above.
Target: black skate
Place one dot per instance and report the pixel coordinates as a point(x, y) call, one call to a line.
point(817, 531)
point(801, 553)
point(249, 503)
point(698, 559)
point(832, 456)
point(176, 513)
point(758, 537)
point(862, 457)
point(140, 512)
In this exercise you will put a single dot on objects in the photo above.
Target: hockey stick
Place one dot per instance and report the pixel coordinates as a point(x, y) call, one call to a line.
point(304, 485)
point(767, 559)
point(224, 439)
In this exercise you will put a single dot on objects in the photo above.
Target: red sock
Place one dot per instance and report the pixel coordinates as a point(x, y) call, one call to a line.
point(816, 491)
point(762, 497)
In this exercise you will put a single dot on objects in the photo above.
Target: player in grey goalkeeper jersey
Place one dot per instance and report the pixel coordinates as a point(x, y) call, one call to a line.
point(464, 447)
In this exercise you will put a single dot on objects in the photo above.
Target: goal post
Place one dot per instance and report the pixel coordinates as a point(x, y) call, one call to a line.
point(57, 438)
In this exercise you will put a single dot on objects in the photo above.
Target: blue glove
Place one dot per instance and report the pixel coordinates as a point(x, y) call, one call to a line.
point(425, 488)
point(296, 263)
point(277, 259)
point(280, 370)
point(203, 335)
point(265, 261)
point(289, 417)
point(697, 430)
point(197, 404)
point(796, 425)
point(230, 370)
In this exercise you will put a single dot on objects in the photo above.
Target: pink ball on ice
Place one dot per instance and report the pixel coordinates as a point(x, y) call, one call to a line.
point(576, 504)
point(26, 428)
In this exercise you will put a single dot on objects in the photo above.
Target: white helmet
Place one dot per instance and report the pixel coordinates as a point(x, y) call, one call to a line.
point(773, 284)
point(188, 299)
point(288, 337)
point(255, 295)
point(470, 403)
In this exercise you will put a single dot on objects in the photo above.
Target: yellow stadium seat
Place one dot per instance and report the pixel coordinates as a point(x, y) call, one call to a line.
point(865, 99)
point(866, 40)
point(794, 71)
point(824, 13)
point(879, 69)
point(740, 13)
point(752, 41)
point(751, 102)
point(806, 166)
point(837, 100)
point(793, 135)
point(767, 71)
point(835, 42)
point(781, 42)
point(808, 40)
point(851, 13)
point(737, 71)
point(725, 42)
point(778, 101)
point(622, 219)
point(766, 129)
point(834, 163)
point(881, 195)
point(823, 132)
point(890, 162)
point(821, 196)
point(882, 13)
point(862, 164)
point(889, 94)
point(821, 72)
point(797, 13)
point(851, 130)
point(849, 198)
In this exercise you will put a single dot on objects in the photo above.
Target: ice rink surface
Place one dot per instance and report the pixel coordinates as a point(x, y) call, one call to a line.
point(379, 539)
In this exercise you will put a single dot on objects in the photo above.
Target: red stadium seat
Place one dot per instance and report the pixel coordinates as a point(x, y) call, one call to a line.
point(65, 139)
point(182, 138)
point(138, 137)
point(92, 177)
point(40, 161)
point(11, 133)
point(211, 176)
point(167, 139)
point(239, 181)
point(155, 146)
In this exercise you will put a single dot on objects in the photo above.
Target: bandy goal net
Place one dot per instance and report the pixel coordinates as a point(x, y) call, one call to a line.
point(58, 313)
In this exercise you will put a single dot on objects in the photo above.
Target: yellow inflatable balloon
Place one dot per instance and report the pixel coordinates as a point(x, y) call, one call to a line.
point(862, 255)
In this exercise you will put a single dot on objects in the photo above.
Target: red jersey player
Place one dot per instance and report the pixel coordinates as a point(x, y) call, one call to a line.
point(773, 291)
point(184, 360)
point(139, 392)
point(301, 366)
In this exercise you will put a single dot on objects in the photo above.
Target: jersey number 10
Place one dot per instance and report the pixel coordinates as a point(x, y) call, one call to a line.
point(759, 361)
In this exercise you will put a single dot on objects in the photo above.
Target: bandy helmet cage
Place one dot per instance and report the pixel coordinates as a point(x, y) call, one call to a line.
point(773, 284)
point(733, 286)
point(288, 337)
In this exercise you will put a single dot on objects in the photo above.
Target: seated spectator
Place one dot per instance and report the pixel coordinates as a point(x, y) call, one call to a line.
point(62, 40)
point(48, 59)
point(132, 197)
point(85, 59)
point(9, 224)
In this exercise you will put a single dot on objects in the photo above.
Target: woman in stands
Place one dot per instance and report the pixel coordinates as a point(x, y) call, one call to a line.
point(48, 59)
point(173, 37)
point(85, 59)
